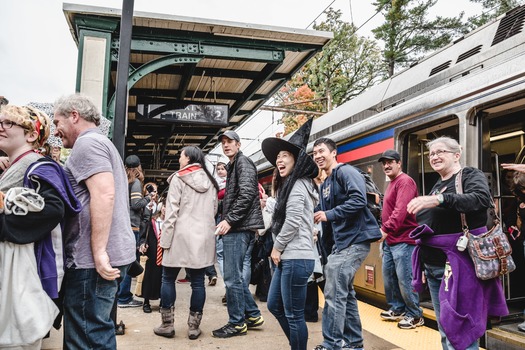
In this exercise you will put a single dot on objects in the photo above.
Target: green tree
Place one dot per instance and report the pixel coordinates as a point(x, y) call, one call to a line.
point(297, 95)
point(347, 65)
point(408, 34)
point(491, 9)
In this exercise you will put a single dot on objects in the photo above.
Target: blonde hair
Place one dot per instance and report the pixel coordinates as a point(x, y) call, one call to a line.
point(31, 120)
point(449, 142)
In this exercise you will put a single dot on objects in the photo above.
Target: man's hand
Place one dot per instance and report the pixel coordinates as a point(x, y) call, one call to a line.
point(320, 216)
point(223, 228)
point(104, 268)
point(276, 256)
point(383, 236)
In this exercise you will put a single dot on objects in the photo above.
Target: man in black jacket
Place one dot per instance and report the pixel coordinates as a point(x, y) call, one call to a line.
point(242, 216)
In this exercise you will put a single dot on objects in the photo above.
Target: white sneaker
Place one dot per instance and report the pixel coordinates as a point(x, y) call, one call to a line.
point(411, 322)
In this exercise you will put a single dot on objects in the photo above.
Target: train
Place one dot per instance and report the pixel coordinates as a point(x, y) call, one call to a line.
point(472, 90)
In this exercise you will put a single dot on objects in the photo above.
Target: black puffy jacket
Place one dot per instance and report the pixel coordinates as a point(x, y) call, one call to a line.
point(241, 207)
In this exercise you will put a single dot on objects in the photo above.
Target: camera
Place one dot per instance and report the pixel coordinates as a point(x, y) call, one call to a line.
point(462, 243)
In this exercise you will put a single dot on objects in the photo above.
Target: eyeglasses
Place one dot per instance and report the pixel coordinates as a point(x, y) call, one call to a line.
point(438, 153)
point(7, 124)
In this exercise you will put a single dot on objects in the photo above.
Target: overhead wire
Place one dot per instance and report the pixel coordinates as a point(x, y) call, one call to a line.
point(276, 121)
point(357, 29)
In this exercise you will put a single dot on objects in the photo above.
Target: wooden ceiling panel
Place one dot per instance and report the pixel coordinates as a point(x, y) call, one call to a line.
point(238, 64)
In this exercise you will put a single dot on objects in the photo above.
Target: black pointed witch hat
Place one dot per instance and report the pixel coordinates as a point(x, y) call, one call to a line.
point(296, 145)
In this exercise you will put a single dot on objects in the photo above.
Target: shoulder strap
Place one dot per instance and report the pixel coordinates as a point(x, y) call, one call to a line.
point(459, 190)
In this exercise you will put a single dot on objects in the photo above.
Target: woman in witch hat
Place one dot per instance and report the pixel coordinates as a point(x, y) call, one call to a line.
point(292, 229)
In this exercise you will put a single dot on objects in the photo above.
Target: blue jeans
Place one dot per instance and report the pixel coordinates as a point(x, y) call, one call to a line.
point(286, 299)
point(124, 295)
point(237, 253)
point(397, 277)
point(341, 323)
point(88, 301)
point(434, 275)
point(168, 293)
point(220, 255)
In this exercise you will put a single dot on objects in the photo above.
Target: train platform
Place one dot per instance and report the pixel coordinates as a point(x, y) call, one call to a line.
point(378, 334)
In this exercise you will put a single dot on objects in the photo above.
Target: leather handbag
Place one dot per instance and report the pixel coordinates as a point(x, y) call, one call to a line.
point(490, 251)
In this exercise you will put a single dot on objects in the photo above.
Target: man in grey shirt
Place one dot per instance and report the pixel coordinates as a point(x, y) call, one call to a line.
point(99, 243)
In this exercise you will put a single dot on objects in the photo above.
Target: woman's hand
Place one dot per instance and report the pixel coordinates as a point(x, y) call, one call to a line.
point(276, 256)
point(516, 167)
point(4, 163)
point(422, 202)
point(143, 248)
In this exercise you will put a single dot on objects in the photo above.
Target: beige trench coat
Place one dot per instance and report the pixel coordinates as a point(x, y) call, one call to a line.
point(187, 234)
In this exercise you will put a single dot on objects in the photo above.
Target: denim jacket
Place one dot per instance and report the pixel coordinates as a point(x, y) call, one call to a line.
point(343, 199)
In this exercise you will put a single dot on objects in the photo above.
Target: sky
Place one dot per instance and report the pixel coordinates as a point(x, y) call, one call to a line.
point(38, 56)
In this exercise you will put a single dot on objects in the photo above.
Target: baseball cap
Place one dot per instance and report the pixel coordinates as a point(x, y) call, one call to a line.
point(132, 161)
point(232, 135)
point(390, 154)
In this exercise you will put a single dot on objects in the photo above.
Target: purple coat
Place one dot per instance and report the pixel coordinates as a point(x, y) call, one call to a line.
point(466, 301)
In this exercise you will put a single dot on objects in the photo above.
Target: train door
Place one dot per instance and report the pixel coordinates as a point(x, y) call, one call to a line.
point(416, 163)
point(502, 134)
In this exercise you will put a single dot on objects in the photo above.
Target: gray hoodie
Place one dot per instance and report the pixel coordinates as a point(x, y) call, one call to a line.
point(295, 241)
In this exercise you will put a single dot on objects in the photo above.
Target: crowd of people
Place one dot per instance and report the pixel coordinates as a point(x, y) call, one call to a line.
point(72, 236)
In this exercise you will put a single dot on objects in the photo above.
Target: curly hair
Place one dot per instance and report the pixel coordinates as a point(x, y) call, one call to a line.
point(31, 120)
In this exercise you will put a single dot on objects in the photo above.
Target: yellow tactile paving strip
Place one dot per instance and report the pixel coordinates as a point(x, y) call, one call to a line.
point(421, 338)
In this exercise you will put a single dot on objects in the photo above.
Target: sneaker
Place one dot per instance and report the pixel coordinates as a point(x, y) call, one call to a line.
point(392, 315)
point(320, 347)
point(230, 330)
point(183, 281)
point(348, 346)
point(132, 303)
point(253, 322)
point(213, 281)
point(521, 327)
point(411, 322)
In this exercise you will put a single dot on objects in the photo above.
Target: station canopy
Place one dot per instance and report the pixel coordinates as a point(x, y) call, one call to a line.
point(191, 78)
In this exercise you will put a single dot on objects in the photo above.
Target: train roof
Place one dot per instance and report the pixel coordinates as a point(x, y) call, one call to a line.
point(478, 50)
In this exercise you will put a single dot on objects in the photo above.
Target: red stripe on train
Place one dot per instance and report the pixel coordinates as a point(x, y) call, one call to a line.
point(366, 151)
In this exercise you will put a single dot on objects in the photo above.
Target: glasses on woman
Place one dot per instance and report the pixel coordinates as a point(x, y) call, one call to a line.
point(438, 153)
point(7, 124)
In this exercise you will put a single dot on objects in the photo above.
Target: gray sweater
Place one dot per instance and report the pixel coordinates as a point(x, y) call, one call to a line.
point(14, 175)
point(295, 241)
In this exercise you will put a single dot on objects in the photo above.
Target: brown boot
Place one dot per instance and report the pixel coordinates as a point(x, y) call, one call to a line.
point(194, 321)
point(166, 328)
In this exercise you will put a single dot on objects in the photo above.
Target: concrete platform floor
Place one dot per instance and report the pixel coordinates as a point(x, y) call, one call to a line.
point(378, 334)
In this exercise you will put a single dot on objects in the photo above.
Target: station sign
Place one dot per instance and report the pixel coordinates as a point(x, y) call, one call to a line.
point(193, 113)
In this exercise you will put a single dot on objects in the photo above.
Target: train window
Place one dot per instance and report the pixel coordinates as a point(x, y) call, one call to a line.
point(417, 163)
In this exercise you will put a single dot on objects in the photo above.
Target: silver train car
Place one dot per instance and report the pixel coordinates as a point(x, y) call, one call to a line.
point(472, 90)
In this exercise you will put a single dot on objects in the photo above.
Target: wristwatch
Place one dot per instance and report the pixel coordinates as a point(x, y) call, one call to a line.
point(440, 198)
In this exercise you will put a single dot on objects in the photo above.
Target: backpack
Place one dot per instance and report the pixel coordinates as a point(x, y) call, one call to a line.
point(374, 197)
